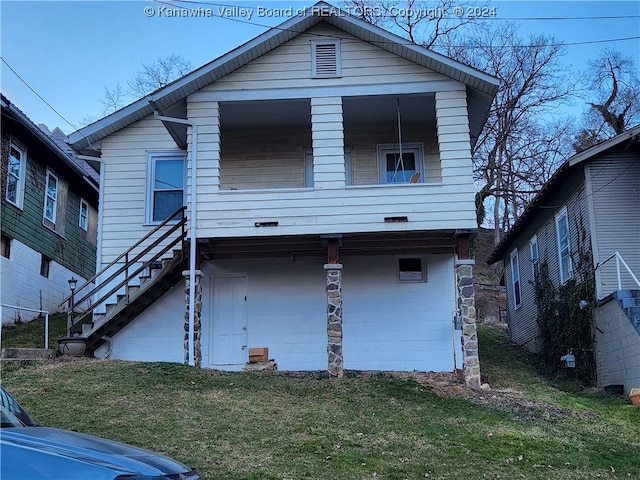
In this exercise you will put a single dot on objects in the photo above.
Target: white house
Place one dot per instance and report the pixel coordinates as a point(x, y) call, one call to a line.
point(326, 171)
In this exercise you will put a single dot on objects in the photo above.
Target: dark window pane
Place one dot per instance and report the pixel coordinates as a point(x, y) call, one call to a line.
point(165, 203)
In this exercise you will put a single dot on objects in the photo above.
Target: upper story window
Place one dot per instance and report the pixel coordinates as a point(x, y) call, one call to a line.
point(325, 58)
point(51, 198)
point(515, 278)
point(533, 255)
point(83, 222)
point(400, 167)
point(165, 185)
point(16, 169)
point(564, 245)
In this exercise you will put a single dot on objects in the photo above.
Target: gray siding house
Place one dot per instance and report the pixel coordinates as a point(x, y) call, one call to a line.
point(591, 203)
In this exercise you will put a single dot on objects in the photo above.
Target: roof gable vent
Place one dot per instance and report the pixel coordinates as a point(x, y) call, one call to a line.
point(325, 58)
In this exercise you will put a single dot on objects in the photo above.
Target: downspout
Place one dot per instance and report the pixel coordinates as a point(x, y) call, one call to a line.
point(192, 224)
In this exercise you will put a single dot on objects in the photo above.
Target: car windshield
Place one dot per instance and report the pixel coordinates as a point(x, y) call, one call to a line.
point(12, 411)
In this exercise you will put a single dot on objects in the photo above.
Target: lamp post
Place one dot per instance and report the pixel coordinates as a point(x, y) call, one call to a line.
point(72, 286)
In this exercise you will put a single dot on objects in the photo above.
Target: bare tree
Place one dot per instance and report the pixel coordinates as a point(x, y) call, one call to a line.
point(421, 21)
point(613, 98)
point(523, 140)
point(148, 79)
point(158, 74)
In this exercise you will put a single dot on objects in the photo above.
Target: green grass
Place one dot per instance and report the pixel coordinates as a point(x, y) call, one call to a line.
point(279, 426)
point(31, 334)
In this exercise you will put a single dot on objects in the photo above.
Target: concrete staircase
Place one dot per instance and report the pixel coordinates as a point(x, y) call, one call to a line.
point(629, 300)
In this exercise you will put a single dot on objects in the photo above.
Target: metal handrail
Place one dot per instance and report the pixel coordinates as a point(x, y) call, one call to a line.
point(128, 262)
point(619, 260)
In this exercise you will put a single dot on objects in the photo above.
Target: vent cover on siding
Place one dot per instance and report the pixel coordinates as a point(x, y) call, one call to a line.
point(326, 58)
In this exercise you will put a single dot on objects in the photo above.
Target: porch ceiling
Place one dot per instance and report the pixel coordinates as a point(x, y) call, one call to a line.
point(313, 245)
point(357, 111)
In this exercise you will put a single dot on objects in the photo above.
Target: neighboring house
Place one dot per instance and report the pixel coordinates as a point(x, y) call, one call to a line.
point(334, 201)
point(49, 218)
point(592, 202)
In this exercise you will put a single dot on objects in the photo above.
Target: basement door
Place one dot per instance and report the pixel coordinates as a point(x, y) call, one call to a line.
point(228, 340)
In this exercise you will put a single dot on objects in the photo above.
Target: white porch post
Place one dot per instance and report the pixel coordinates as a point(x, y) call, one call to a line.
point(327, 131)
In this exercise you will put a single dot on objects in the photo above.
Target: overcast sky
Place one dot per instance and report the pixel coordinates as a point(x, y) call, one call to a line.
point(67, 52)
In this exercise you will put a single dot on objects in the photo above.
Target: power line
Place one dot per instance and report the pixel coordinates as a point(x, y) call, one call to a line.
point(177, 3)
point(36, 93)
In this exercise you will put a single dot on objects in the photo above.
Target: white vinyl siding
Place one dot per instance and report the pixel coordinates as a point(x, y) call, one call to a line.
point(614, 180)
point(288, 67)
point(16, 174)
point(124, 156)
point(515, 279)
point(564, 246)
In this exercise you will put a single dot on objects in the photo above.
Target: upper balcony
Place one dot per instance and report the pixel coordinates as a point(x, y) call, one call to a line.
point(380, 163)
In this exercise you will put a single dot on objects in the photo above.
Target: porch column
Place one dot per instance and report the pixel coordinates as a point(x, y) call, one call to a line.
point(327, 132)
point(334, 319)
point(467, 312)
point(197, 319)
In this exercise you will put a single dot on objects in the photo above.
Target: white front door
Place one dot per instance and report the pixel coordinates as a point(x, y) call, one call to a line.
point(228, 344)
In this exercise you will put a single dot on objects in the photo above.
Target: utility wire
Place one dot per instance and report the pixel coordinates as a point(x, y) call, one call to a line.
point(37, 94)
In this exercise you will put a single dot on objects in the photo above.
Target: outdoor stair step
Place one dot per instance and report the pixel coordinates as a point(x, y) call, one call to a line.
point(28, 353)
point(86, 328)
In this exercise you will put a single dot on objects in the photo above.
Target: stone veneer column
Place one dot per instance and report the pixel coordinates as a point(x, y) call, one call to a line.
point(197, 319)
point(467, 311)
point(334, 319)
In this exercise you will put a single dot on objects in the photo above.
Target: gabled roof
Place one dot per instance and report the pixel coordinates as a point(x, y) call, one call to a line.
point(171, 99)
point(552, 184)
point(52, 142)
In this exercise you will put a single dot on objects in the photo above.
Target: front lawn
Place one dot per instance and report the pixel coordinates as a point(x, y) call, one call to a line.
point(366, 425)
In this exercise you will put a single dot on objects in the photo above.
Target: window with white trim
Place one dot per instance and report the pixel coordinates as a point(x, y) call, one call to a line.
point(515, 279)
point(165, 185)
point(564, 246)
point(51, 198)
point(16, 169)
point(84, 214)
point(533, 255)
point(396, 168)
point(325, 58)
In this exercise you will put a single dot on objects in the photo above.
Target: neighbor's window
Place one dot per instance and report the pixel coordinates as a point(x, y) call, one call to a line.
point(84, 215)
point(411, 269)
point(564, 246)
point(165, 185)
point(45, 266)
point(16, 174)
point(515, 278)
point(396, 168)
point(51, 198)
point(533, 252)
point(325, 58)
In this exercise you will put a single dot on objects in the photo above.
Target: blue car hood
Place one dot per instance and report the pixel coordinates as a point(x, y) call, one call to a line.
point(50, 453)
